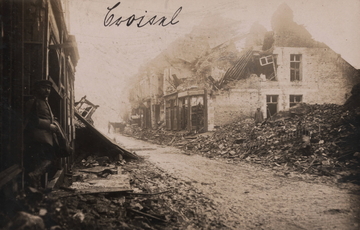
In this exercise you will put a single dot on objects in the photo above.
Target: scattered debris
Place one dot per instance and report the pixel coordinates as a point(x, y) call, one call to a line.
point(23, 221)
point(79, 216)
point(316, 139)
point(147, 215)
point(138, 196)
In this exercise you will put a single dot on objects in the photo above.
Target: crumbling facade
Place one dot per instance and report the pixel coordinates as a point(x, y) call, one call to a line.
point(275, 70)
point(174, 93)
point(145, 96)
point(289, 68)
point(35, 45)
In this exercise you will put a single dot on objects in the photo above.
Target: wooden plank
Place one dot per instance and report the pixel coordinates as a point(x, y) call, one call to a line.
point(57, 179)
point(8, 174)
point(98, 169)
point(108, 190)
point(103, 190)
point(114, 181)
point(147, 215)
point(141, 149)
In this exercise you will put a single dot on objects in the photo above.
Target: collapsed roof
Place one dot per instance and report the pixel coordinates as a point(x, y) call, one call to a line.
point(257, 58)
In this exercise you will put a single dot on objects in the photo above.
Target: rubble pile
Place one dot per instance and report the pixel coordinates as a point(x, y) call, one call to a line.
point(184, 206)
point(317, 139)
point(153, 200)
point(158, 136)
point(324, 140)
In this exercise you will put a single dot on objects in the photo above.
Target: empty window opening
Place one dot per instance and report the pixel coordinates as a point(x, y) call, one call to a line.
point(272, 105)
point(295, 67)
point(184, 111)
point(197, 112)
point(295, 99)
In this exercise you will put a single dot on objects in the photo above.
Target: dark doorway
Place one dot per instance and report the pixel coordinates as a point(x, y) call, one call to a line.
point(197, 113)
point(183, 106)
point(55, 104)
point(272, 105)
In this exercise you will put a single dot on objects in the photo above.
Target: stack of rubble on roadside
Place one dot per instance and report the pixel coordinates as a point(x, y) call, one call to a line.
point(318, 139)
point(323, 141)
point(117, 195)
point(158, 136)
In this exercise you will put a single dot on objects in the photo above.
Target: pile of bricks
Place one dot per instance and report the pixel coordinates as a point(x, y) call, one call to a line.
point(318, 139)
point(324, 141)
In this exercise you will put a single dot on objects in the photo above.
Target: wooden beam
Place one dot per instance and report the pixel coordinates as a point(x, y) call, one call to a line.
point(189, 125)
point(63, 45)
point(9, 173)
point(57, 179)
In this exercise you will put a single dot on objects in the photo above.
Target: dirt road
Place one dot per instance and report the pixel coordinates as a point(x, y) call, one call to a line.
point(253, 197)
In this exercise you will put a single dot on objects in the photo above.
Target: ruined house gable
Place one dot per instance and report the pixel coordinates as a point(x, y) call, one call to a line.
point(288, 33)
point(217, 61)
point(256, 35)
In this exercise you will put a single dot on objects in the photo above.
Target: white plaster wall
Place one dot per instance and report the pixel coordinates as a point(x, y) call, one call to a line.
point(326, 78)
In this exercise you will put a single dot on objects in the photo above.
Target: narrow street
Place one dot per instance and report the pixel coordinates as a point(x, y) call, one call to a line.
point(252, 197)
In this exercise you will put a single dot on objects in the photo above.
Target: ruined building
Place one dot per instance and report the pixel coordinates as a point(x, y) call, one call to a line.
point(274, 71)
point(35, 45)
point(290, 67)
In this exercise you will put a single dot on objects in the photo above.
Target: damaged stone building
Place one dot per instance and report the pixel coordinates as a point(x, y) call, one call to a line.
point(35, 45)
point(274, 71)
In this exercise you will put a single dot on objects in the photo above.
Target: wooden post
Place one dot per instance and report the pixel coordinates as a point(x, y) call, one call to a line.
point(205, 111)
point(189, 114)
point(46, 179)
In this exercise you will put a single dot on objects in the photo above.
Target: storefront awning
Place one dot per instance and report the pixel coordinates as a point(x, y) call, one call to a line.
point(191, 93)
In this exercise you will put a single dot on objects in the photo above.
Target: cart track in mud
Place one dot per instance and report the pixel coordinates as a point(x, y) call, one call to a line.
point(253, 197)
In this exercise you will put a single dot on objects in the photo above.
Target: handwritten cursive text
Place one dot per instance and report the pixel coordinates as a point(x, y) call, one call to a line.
point(109, 19)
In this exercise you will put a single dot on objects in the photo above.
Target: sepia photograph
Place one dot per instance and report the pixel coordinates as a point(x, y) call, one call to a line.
point(179, 114)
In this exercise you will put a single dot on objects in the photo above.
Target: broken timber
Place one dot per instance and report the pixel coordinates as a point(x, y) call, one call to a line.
point(111, 144)
point(148, 194)
point(8, 174)
point(100, 170)
point(147, 215)
point(96, 191)
point(103, 190)
point(55, 182)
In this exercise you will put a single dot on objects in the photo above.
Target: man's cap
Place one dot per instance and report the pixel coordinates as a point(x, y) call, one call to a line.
point(43, 82)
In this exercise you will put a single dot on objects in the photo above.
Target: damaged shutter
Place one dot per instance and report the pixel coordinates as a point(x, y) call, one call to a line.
point(266, 60)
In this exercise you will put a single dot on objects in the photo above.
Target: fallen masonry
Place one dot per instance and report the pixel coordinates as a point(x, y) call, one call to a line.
point(105, 191)
point(316, 139)
point(117, 195)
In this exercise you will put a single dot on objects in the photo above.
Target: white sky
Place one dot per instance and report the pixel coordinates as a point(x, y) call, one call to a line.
point(109, 56)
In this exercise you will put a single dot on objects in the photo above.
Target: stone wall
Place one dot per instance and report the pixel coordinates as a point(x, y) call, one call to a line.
point(326, 78)
point(238, 102)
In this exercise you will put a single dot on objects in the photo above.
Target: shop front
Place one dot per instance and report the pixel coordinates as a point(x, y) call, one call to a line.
point(186, 111)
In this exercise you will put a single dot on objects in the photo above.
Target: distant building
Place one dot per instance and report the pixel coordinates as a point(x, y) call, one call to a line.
point(289, 68)
point(275, 71)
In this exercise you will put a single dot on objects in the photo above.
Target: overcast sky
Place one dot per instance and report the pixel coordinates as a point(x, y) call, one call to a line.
point(109, 56)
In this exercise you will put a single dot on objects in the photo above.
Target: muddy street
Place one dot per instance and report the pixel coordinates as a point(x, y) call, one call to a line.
point(252, 197)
